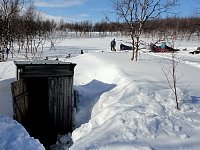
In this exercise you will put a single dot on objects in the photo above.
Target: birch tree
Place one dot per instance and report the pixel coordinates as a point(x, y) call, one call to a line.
point(9, 10)
point(135, 13)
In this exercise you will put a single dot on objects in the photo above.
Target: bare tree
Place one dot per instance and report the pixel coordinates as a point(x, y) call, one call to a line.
point(170, 73)
point(135, 13)
point(197, 8)
point(9, 10)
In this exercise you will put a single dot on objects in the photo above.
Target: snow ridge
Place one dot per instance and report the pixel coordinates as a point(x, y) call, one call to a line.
point(127, 116)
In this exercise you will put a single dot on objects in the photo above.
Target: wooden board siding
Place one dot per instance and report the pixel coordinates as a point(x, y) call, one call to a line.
point(61, 102)
point(20, 100)
point(46, 71)
point(44, 68)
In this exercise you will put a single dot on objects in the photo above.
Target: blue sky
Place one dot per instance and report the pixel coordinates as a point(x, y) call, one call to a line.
point(94, 10)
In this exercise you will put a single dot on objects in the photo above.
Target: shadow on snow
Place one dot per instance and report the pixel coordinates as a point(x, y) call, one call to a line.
point(6, 107)
point(195, 99)
point(88, 95)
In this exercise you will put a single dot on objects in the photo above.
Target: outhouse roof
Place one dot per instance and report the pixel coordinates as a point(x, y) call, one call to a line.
point(41, 62)
point(44, 68)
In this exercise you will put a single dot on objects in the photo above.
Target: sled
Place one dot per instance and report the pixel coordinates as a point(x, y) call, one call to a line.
point(125, 47)
point(157, 49)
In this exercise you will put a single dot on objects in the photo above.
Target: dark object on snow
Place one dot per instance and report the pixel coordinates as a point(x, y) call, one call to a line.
point(161, 49)
point(68, 56)
point(195, 52)
point(184, 49)
point(7, 50)
point(82, 52)
point(125, 47)
point(112, 45)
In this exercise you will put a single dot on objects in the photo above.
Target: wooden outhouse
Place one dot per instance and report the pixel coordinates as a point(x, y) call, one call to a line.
point(43, 98)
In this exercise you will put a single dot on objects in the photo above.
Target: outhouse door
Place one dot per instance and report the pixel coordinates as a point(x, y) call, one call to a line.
point(20, 100)
point(60, 102)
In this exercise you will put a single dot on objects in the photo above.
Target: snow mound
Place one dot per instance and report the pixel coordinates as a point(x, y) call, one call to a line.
point(13, 136)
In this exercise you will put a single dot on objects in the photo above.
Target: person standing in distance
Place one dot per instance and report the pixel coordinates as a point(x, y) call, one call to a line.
point(113, 44)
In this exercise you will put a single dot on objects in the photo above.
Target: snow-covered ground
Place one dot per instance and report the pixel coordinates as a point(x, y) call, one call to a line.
point(122, 104)
point(14, 137)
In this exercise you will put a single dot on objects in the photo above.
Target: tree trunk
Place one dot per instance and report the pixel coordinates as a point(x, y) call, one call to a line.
point(137, 47)
point(133, 48)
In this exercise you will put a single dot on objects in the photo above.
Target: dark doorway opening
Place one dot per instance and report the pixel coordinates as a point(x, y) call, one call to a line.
point(39, 124)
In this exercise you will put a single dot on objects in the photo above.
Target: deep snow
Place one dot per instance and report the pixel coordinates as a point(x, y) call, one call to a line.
point(122, 104)
point(138, 110)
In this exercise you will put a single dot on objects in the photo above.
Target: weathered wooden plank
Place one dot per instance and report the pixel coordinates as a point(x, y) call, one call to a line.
point(20, 100)
point(44, 70)
point(66, 103)
point(43, 74)
point(60, 91)
point(22, 104)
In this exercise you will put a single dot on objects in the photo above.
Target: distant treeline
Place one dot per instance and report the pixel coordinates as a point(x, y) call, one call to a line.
point(178, 26)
